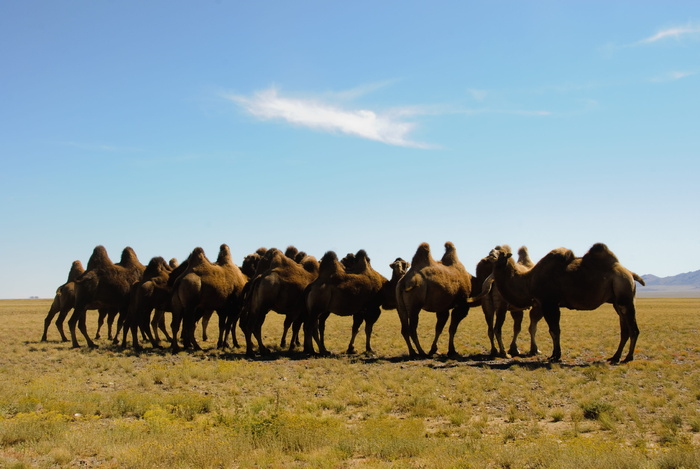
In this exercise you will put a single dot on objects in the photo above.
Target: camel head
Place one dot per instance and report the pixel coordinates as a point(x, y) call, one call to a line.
point(155, 267)
point(349, 261)
point(250, 264)
point(399, 267)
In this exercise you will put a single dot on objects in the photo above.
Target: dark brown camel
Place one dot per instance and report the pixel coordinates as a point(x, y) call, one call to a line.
point(63, 302)
point(436, 287)
point(103, 285)
point(281, 289)
point(584, 283)
point(207, 286)
point(398, 269)
point(356, 293)
point(148, 294)
point(496, 307)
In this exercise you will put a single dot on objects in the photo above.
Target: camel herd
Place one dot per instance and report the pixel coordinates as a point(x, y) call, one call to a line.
point(306, 291)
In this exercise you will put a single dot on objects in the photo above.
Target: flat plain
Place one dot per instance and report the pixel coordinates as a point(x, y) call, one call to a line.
point(107, 407)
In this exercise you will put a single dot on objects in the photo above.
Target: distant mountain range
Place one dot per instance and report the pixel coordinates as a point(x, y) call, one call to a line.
point(681, 285)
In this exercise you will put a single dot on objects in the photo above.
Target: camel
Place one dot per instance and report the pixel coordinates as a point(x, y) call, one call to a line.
point(496, 307)
point(280, 288)
point(103, 285)
point(150, 293)
point(560, 279)
point(356, 293)
point(63, 302)
point(435, 287)
point(398, 269)
point(206, 286)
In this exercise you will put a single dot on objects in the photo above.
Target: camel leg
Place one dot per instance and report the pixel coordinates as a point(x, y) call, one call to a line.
point(322, 333)
point(296, 325)
point(205, 323)
point(101, 315)
point(552, 314)
point(257, 330)
point(371, 317)
point(357, 320)
point(487, 308)
point(79, 317)
point(501, 313)
point(59, 324)
point(628, 331)
point(413, 331)
point(441, 320)
point(535, 316)
point(458, 314)
point(517, 316)
point(55, 308)
point(310, 332)
point(111, 316)
point(288, 319)
point(405, 328)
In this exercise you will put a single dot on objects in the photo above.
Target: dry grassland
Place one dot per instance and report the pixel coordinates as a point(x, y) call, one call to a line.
point(61, 407)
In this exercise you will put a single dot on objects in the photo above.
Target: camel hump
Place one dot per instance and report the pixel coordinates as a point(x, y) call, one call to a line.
point(450, 257)
point(76, 270)
point(361, 262)
point(250, 264)
point(560, 255)
point(224, 257)
point(310, 264)
point(599, 256)
point(129, 258)
point(197, 258)
point(291, 252)
point(173, 263)
point(422, 257)
point(329, 263)
point(524, 257)
point(99, 258)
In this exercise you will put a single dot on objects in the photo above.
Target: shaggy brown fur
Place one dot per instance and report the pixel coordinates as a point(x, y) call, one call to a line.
point(398, 269)
point(206, 286)
point(435, 287)
point(496, 307)
point(280, 288)
point(104, 285)
point(357, 294)
point(562, 280)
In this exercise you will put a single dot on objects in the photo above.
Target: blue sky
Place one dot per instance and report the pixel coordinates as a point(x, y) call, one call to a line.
point(166, 125)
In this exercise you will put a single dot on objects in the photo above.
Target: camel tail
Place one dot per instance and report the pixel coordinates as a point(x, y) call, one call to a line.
point(485, 290)
point(638, 279)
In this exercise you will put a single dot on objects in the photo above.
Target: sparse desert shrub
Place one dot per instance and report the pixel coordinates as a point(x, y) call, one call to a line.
point(31, 427)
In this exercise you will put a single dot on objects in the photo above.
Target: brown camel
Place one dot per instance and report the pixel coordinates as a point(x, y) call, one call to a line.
point(281, 289)
point(435, 287)
point(63, 302)
point(207, 286)
point(104, 285)
point(584, 283)
point(356, 293)
point(496, 307)
point(150, 293)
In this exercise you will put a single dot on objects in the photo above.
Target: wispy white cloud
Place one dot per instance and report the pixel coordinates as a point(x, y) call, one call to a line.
point(671, 76)
point(676, 32)
point(386, 127)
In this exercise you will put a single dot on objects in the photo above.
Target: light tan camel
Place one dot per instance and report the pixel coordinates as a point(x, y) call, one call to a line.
point(104, 285)
point(357, 293)
point(281, 289)
point(584, 283)
point(436, 287)
point(496, 307)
